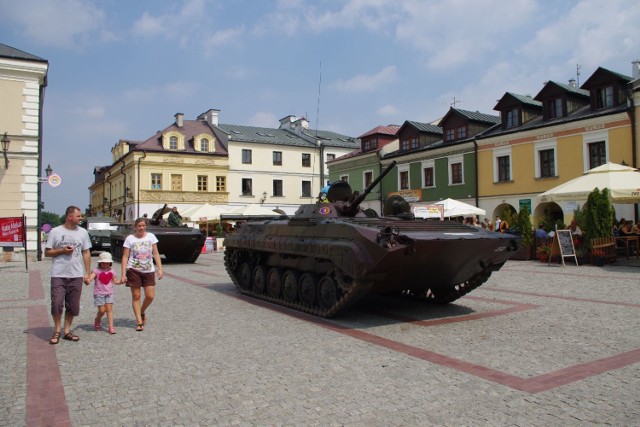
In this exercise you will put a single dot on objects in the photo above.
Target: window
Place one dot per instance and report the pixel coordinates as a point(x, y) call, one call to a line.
point(404, 145)
point(202, 183)
point(428, 175)
point(204, 145)
point(547, 163)
point(462, 132)
point(597, 154)
point(604, 97)
point(246, 157)
point(156, 181)
point(554, 108)
point(512, 118)
point(368, 179)
point(456, 173)
point(449, 135)
point(370, 144)
point(176, 182)
point(277, 158)
point(504, 169)
point(404, 180)
point(247, 187)
point(331, 157)
point(344, 178)
point(414, 142)
point(306, 188)
point(277, 188)
point(221, 183)
point(173, 143)
point(306, 160)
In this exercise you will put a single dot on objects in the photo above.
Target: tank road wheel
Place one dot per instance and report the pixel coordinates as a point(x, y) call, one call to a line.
point(259, 279)
point(290, 285)
point(327, 292)
point(308, 285)
point(245, 276)
point(274, 282)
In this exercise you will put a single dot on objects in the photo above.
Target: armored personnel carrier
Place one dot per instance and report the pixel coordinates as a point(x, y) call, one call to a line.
point(177, 244)
point(329, 255)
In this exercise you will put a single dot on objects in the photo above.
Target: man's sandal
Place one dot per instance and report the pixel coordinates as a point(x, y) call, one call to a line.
point(70, 337)
point(140, 327)
point(55, 338)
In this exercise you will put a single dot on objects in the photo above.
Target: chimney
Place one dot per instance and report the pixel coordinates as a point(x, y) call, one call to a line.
point(572, 82)
point(179, 119)
point(635, 69)
point(210, 116)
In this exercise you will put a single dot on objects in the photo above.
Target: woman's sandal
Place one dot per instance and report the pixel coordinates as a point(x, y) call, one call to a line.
point(55, 338)
point(71, 337)
point(140, 327)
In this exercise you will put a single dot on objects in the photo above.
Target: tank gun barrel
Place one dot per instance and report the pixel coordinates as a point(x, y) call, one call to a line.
point(359, 199)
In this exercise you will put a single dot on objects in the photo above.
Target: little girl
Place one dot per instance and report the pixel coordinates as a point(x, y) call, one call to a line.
point(103, 290)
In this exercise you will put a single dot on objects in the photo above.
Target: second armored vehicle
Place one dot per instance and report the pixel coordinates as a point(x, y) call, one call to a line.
point(177, 244)
point(329, 255)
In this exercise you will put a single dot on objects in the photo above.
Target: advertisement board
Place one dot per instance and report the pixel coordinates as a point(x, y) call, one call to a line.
point(12, 231)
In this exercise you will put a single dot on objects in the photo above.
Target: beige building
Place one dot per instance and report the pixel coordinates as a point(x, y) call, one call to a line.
point(23, 78)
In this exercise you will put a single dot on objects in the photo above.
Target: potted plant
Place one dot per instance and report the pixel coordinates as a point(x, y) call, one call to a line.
point(542, 253)
point(220, 236)
point(598, 256)
point(598, 217)
point(524, 227)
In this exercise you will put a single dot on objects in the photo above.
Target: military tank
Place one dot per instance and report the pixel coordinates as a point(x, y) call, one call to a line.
point(177, 244)
point(331, 254)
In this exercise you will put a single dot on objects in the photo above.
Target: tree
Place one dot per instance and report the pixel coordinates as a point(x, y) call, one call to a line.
point(523, 222)
point(599, 214)
point(50, 218)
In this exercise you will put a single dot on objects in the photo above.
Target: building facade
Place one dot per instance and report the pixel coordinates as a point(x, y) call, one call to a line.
point(23, 79)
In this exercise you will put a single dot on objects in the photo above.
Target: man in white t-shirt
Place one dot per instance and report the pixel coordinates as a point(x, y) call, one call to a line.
point(70, 247)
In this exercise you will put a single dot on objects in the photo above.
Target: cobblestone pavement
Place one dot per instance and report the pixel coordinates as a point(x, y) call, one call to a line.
point(536, 345)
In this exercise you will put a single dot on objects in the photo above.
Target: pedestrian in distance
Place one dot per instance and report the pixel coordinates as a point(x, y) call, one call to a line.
point(69, 246)
point(103, 291)
point(140, 250)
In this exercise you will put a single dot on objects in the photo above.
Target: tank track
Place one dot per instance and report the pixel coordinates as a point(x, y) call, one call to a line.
point(348, 291)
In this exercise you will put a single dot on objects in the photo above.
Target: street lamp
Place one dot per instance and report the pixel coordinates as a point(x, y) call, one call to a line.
point(5, 148)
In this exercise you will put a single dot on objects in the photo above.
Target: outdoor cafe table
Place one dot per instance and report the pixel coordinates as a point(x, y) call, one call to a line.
point(628, 241)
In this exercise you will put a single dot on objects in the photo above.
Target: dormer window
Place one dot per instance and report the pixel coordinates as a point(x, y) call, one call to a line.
point(173, 143)
point(512, 118)
point(554, 108)
point(204, 145)
point(604, 97)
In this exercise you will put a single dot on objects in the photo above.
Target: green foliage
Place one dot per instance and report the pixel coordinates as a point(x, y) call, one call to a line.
point(598, 215)
point(50, 218)
point(509, 215)
point(219, 230)
point(549, 223)
point(580, 215)
point(523, 222)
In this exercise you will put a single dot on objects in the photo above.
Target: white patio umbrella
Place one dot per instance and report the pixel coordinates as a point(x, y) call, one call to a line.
point(623, 183)
point(251, 210)
point(455, 208)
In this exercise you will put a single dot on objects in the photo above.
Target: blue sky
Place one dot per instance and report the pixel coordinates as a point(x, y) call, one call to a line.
point(122, 69)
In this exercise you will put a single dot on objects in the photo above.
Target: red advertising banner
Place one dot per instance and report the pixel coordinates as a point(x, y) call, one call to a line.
point(12, 231)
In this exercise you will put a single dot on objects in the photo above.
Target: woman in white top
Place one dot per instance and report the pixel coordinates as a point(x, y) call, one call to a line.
point(140, 250)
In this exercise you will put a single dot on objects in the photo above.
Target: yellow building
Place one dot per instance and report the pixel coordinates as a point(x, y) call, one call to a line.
point(549, 139)
point(183, 165)
point(23, 78)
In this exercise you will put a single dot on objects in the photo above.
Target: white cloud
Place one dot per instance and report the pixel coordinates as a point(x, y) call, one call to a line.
point(388, 110)
point(149, 25)
point(61, 23)
point(366, 83)
point(263, 119)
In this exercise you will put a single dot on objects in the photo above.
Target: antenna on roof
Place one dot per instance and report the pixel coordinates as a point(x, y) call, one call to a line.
point(318, 108)
point(455, 101)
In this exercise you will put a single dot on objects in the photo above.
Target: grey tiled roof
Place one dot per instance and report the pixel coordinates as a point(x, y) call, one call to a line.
point(306, 138)
point(13, 53)
point(572, 89)
point(426, 127)
point(525, 99)
point(478, 116)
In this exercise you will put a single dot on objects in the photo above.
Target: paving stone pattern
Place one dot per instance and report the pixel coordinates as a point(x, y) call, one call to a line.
point(536, 345)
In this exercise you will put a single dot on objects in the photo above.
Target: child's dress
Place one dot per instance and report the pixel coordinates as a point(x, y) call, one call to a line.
point(103, 284)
